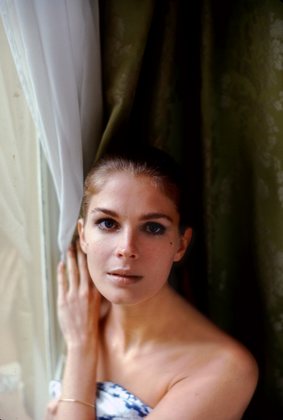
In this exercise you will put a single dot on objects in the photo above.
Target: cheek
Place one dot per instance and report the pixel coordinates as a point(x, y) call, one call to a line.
point(171, 247)
point(97, 253)
point(96, 243)
point(162, 255)
point(159, 271)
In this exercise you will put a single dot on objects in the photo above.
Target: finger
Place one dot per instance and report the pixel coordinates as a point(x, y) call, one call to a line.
point(52, 406)
point(62, 281)
point(85, 279)
point(51, 410)
point(96, 313)
point(73, 272)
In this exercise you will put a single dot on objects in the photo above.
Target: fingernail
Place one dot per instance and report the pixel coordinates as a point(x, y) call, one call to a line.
point(61, 265)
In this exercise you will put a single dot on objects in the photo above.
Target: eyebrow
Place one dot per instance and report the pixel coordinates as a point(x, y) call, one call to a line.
point(148, 216)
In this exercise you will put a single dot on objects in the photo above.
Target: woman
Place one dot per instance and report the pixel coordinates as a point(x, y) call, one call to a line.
point(135, 348)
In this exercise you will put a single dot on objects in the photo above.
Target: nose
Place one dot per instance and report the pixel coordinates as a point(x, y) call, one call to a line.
point(126, 247)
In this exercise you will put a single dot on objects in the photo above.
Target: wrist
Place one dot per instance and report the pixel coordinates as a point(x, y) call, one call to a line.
point(84, 345)
point(80, 363)
point(83, 357)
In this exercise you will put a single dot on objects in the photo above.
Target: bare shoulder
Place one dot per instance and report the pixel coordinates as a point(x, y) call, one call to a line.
point(219, 390)
point(218, 354)
point(231, 368)
point(217, 375)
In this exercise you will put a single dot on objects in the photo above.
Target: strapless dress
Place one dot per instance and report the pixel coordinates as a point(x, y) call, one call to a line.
point(113, 402)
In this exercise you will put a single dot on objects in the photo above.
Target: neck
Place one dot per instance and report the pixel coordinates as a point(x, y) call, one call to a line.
point(131, 326)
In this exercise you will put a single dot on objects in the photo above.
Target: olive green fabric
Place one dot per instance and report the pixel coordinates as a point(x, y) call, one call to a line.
point(242, 109)
point(204, 80)
point(138, 43)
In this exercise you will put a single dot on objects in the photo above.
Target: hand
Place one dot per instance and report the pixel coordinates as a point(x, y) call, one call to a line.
point(51, 410)
point(78, 301)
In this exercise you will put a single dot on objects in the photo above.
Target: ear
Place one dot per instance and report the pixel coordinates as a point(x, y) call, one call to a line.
point(185, 241)
point(80, 227)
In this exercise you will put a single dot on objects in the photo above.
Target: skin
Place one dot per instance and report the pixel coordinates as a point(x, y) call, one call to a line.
point(144, 336)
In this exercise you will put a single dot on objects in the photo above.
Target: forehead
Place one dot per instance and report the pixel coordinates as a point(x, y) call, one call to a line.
point(126, 178)
point(128, 190)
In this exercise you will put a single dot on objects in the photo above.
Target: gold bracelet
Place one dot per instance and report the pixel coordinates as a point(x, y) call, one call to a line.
point(76, 401)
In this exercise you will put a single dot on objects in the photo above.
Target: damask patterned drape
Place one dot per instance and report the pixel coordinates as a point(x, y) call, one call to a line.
point(204, 80)
point(242, 104)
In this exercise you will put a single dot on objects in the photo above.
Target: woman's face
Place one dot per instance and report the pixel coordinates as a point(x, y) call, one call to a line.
point(131, 238)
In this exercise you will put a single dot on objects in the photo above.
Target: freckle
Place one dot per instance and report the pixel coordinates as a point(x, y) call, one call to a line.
point(171, 243)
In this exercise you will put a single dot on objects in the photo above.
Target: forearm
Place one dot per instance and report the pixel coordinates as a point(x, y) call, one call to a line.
point(78, 306)
point(79, 383)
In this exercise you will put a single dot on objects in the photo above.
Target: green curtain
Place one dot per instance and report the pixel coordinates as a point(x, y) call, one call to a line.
point(204, 81)
point(242, 104)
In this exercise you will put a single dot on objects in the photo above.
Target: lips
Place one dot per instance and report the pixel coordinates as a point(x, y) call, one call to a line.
point(123, 277)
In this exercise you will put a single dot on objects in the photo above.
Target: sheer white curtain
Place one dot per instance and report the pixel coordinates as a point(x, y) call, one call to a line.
point(56, 48)
point(23, 326)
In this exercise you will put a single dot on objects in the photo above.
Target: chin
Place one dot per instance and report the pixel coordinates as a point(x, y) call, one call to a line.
point(118, 298)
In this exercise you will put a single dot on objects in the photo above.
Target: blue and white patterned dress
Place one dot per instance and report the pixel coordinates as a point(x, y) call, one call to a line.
point(113, 402)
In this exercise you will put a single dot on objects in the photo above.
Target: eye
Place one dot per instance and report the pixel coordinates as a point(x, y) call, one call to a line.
point(154, 228)
point(107, 224)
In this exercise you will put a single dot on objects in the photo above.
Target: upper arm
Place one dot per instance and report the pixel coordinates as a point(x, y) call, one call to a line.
point(222, 392)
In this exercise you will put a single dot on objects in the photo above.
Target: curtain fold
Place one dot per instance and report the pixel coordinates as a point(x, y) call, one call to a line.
point(138, 49)
point(24, 360)
point(243, 136)
point(56, 48)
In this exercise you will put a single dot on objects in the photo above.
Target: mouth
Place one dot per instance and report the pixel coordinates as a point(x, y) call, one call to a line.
point(123, 278)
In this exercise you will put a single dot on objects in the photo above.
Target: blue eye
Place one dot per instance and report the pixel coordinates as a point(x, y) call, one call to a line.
point(154, 228)
point(106, 224)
